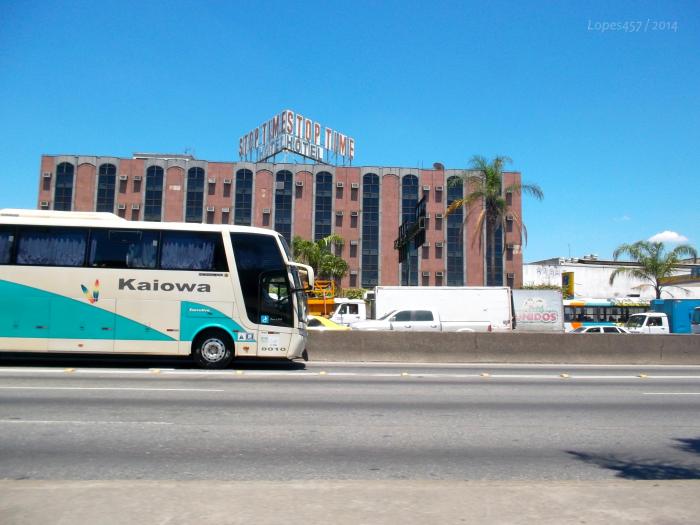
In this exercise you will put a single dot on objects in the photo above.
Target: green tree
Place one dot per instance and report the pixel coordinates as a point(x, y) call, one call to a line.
point(319, 256)
point(654, 263)
point(486, 196)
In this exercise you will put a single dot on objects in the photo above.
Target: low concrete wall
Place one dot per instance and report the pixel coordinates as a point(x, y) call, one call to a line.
point(427, 347)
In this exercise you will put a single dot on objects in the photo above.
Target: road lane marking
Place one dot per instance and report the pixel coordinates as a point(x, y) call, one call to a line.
point(77, 422)
point(672, 393)
point(129, 389)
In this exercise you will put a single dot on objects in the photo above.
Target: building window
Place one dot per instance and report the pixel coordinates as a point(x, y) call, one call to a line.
point(370, 231)
point(153, 203)
point(495, 277)
point(283, 204)
point(455, 238)
point(63, 193)
point(324, 205)
point(106, 182)
point(195, 195)
point(244, 197)
point(409, 200)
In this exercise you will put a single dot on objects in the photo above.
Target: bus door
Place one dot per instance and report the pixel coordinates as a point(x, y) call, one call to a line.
point(276, 311)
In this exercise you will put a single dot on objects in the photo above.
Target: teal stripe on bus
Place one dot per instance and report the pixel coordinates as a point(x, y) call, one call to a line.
point(28, 312)
point(195, 317)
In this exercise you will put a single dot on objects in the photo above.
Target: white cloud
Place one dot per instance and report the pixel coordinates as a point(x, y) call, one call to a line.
point(668, 236)
point(624, 218)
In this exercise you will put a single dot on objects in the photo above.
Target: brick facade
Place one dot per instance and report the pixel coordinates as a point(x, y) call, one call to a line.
point(219, 198)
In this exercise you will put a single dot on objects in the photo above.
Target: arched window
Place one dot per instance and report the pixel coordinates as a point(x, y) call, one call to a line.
point(324, 205)
point(106, 181)
point(370, 230)
point(154, 194)
point(63, 194)
point(244, 198)
point(409, 199)
point(455, 238)
point(283, 204)
point(195, 195)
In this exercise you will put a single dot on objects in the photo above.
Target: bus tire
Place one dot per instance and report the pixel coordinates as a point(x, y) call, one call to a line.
point(212, 349)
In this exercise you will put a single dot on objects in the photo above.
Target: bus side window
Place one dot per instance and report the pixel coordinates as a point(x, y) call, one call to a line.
point(7, 241)
point(123, 248)
point(193, 251)
point(51, 246)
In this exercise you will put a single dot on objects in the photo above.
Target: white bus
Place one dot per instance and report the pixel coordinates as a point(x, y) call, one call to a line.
point(94, 282)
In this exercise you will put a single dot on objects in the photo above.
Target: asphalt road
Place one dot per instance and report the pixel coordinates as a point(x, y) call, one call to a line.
point(78, 419)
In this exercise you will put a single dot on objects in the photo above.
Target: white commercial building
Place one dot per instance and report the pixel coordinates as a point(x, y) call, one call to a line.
point(591, 279)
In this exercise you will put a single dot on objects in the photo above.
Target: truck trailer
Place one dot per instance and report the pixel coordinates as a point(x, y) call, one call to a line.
point(440, 308)
point(667, 316)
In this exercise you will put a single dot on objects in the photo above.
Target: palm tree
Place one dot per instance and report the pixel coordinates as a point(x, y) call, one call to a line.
point(654, 263)
point(318, 255)
point(484, 184)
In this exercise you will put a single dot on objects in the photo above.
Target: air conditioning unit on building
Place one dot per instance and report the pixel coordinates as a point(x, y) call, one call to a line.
point(426, 188)
point(510, 275)
point(137, 177)
point(353, 272)
point(210, 209)
point(439, 244)
point(354, 243)
point(228, 181)
point(46, 174)
point(123, 177)
point(299, 183)
point(426, 244)
point(354, 213)
point(438, 188)
point(339, 213)
point(211, 180)
point(509, 217)
point(339, 184)
point(509, 246)
point(135, 206)
point(121, 206)
point(427, 215)
point(439, 216)
point(266, 211)
point(439, 274)
point(279, 185)
point(44, 204)
point(355, 185)
point(426, 274)
point(225, 210)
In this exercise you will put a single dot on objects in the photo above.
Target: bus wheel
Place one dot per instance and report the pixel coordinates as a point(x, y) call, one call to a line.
point(213, 349)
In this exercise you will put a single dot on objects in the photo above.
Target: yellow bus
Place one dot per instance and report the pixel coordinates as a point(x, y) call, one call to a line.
point(97, 283)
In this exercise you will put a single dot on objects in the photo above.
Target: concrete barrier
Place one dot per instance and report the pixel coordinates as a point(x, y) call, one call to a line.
point(437, 347)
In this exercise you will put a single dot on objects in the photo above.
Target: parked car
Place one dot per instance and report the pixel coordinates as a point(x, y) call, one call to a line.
point(321, 324)
point(600, 330)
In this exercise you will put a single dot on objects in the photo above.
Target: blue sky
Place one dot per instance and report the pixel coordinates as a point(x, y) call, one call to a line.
point(607, 122)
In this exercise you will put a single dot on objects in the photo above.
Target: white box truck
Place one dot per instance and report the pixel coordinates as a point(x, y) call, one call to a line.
point(440, 308)
point(538, 310)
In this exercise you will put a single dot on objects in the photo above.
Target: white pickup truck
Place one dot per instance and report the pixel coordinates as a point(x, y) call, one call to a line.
point(648, 323)
point(419, 321)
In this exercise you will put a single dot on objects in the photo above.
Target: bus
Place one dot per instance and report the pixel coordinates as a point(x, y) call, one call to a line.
point(97, 283)
point(601, 312)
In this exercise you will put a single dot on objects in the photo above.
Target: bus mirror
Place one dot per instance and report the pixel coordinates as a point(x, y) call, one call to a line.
point(306, 276)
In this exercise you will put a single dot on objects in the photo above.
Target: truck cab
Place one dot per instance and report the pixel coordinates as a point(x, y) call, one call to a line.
point(349, 311)
point(648, 323)
point(695, 321)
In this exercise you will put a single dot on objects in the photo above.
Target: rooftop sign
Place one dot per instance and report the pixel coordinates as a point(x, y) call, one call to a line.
point(293, 132)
